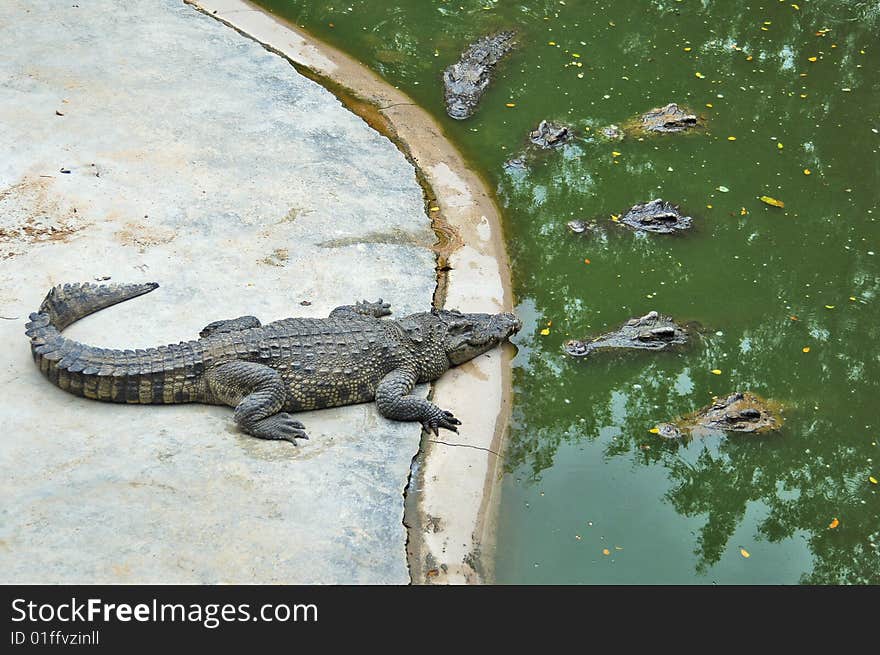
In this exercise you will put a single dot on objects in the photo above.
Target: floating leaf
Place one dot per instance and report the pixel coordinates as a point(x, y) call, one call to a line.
point(807, 171)
point(834, 523)
point(829, 306)
point(545, 331)
point(605, 551)
point(700, 75)
point(723, 189)
point(812, 58)
point(744, 553)
point(731, 138)
point(614, 153)
point(654, 430)
point(510, 104)
point(743, 211)
point(772, 201)
point(806, 349)
point(435, 209)
point(586, 261)
point(872, 480)
point(715, 371)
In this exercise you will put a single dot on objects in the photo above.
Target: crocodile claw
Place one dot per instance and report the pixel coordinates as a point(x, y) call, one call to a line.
point(444, 420)
point(281, 426)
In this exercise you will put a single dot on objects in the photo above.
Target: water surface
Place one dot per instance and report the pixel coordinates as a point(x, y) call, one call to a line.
point(790, 97)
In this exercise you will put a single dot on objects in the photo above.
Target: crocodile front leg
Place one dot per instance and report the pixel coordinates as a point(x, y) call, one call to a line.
point(394, 401)
point(376, 309)
point(258, 393)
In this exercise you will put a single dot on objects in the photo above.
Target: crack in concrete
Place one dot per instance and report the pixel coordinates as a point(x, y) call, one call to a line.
point(467, 445)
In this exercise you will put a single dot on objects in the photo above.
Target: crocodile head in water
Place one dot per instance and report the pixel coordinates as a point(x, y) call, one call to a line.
point(464, 336)
point(653, 331)
point(738, 412)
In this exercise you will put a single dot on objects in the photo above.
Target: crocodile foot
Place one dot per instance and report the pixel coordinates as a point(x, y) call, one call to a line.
point(280, 426)
point(440, 419)
point(376, 309)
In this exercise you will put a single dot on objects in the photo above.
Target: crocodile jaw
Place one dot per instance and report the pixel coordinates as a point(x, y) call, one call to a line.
point(473, 334)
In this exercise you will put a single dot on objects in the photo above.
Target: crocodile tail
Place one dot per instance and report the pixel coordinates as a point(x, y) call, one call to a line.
point(68, 303)
point(154, 375)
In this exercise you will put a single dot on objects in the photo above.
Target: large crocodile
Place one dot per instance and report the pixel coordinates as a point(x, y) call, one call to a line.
point(652, 331)
point(467, 79)
point(268, 371)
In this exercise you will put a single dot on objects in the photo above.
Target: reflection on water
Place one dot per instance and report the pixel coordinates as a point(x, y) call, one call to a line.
point(786, 297)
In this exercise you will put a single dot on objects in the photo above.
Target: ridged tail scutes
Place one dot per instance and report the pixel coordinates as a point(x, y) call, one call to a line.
point(68, 303)
point(153, 376)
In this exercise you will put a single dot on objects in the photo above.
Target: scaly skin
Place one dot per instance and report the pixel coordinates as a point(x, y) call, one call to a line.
point(649, 332)
point(268, 371)
point(467, 79)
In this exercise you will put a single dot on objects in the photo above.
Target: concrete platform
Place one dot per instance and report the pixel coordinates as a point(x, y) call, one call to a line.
point(148, 141)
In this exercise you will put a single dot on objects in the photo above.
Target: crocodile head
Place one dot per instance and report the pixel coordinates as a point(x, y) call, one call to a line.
point(468, 335)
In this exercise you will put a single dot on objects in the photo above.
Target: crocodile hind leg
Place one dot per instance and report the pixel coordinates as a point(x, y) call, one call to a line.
point(394, 401)
point(376, 309)
point(258, 393)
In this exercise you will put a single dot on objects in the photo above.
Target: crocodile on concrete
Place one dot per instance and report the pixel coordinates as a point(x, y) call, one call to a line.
point(268, 371)
point(652, 331)
point(467, 79)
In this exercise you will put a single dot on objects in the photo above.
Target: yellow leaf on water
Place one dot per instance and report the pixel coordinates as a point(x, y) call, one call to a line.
point(812, 58)
point(605, 551)
point(772, 201)
point(545, 331)
point(654, 430)
point(709, 105)
point(510, 104)
point(687, 49)
point(731, 138)
point(743, 211)
point(834, 523)
point(700, 75)
point(806, 349)
point(744, 553)
point(780, 146)
point(615, 154)
point(807, 171)
point(716, 371)
point(872, 480)
point(829, 306)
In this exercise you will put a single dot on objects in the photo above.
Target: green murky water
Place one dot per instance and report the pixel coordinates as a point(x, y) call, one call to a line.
point(583, 476)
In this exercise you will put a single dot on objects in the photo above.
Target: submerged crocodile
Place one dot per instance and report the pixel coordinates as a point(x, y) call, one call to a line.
point(738, 412)
point(549, 135)
point(268, 371)
point(668, 119)
point(652, 331)
point(656, 216)
point(467, 79)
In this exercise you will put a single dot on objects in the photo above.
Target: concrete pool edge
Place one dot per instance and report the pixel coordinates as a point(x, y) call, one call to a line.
point(453, 490)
